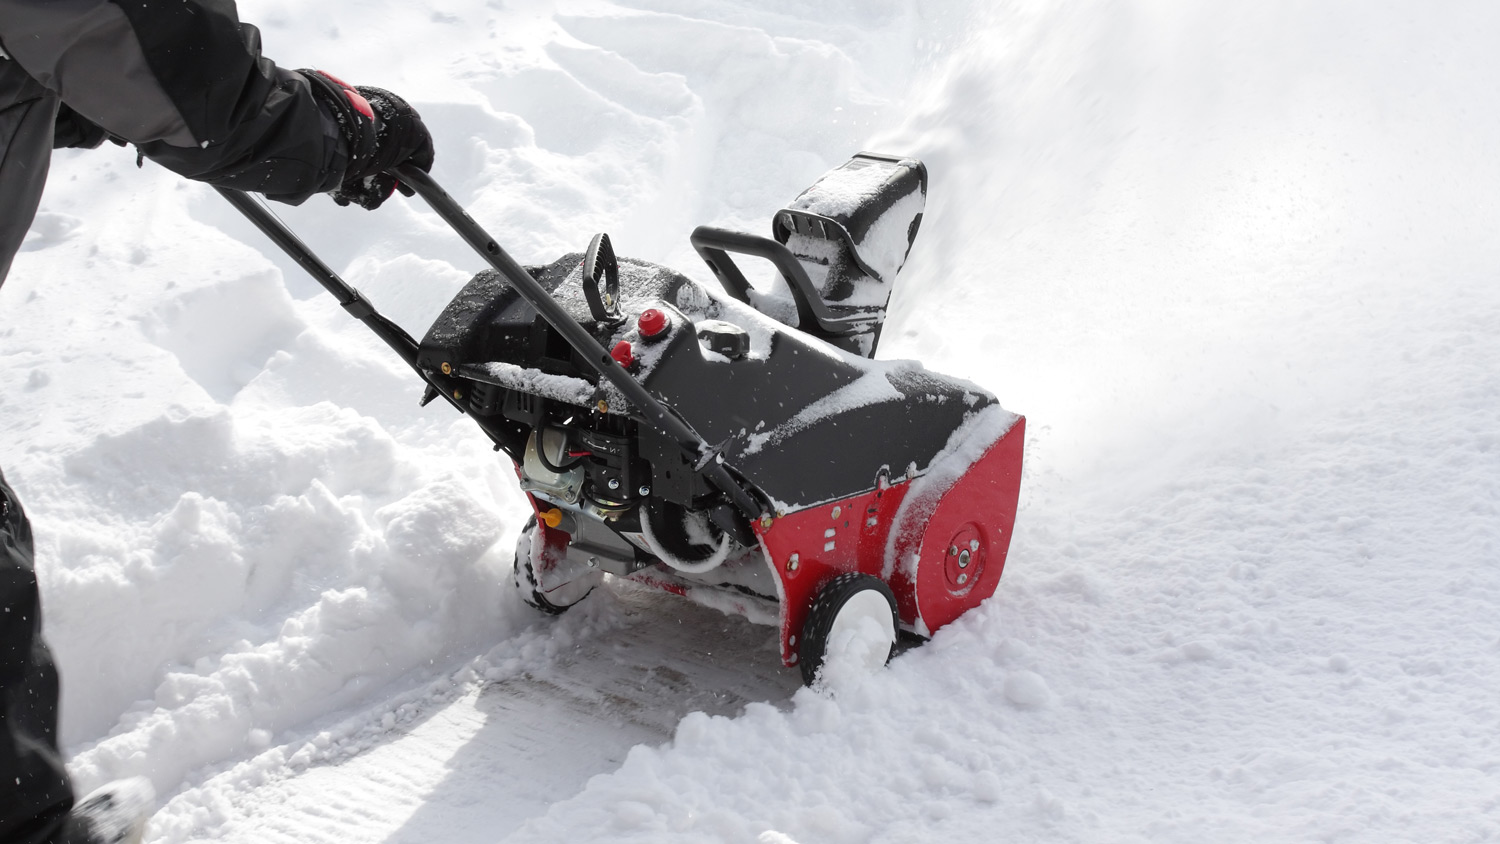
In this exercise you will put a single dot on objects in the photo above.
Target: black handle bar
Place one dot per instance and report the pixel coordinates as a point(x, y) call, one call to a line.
point(714, 245)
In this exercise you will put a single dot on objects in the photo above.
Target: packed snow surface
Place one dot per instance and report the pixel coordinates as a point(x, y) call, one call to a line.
point(1236, 263)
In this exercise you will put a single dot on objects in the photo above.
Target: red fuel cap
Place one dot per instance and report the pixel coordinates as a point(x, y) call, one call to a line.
point(652, 322)
point(622, 353)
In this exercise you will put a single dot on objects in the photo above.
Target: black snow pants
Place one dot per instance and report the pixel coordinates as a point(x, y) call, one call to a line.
point(35, 794)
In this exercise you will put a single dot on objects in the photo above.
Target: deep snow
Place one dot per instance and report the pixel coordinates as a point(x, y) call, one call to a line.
point(1236, 264)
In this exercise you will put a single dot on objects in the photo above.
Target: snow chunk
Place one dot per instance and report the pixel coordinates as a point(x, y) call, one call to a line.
point(563, 388)
point(885, 245)
point(1027, 690)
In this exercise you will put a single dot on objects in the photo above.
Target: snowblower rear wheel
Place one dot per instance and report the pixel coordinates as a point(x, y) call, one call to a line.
point(525, 576)
point(842, 606)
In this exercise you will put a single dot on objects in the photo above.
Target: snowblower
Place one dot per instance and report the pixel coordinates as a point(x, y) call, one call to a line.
point(740, 446)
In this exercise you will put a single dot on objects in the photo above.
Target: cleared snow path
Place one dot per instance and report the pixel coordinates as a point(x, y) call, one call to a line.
point(469, 761)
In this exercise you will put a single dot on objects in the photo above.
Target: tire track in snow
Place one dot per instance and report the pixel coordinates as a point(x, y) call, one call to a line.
point(484, 758)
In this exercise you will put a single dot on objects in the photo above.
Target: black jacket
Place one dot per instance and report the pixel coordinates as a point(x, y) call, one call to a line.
point(185, 81)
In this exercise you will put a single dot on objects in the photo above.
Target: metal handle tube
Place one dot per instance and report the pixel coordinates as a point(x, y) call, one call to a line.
point(584, 343)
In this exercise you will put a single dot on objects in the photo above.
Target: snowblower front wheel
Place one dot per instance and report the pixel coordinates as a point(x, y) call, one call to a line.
point(854, 619)
point(558, 600)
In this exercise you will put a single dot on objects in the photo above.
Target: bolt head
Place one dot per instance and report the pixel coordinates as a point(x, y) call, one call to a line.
point(613, 483)
point(963, 578)
point(963, 559)
point(973, 545)
point(952, 550)
point(644, 491)
point(837, 511)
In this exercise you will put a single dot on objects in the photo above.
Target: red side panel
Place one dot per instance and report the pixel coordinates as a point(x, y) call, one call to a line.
point(951, 550)
point(933, 578)
point(808, 548)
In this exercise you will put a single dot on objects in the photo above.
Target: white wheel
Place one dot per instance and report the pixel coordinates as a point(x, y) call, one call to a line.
point(852, 624)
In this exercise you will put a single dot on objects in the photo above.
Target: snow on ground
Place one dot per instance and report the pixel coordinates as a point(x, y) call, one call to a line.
point(1236, 264)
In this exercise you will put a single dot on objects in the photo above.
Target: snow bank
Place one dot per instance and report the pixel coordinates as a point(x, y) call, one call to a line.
point(229, 543)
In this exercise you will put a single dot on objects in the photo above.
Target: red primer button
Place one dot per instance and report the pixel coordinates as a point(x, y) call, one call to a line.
point(652, 322)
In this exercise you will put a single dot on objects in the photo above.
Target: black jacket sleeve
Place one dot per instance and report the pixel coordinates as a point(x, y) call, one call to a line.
point(186, 82)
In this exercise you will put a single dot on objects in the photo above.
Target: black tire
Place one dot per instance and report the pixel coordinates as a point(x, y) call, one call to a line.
point(525, 577)
point(835, 595)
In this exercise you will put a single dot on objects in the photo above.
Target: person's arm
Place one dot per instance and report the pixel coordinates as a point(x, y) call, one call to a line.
point(185, 81)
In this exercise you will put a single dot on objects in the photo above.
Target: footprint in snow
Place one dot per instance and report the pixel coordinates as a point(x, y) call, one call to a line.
point(50, 228)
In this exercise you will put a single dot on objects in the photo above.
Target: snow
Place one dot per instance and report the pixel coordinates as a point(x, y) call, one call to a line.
point(884, 247)
point(843, 190)
point(870, 387)
point(1235, 263)
point(564, 388)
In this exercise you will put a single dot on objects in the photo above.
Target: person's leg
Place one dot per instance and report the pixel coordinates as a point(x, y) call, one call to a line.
point(39, 795)
point(27, 114)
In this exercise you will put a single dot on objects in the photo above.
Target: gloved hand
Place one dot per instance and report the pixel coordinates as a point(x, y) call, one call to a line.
point(381, 131)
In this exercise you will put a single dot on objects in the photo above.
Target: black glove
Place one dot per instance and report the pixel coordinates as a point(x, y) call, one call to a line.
point(73, 130)
point(381, 130)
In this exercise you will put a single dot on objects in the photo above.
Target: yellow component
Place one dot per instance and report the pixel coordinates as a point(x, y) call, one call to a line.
point(458, 394)
point(603, 406)
point(447, 370)
point(552, 518)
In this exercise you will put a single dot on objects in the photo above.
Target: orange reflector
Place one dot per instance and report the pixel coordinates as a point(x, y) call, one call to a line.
point(552, 518)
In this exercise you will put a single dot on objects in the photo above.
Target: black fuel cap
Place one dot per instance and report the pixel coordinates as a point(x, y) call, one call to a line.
point(727, 339)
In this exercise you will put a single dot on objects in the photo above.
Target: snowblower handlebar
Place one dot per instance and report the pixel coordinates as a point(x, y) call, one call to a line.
point(714, 245)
